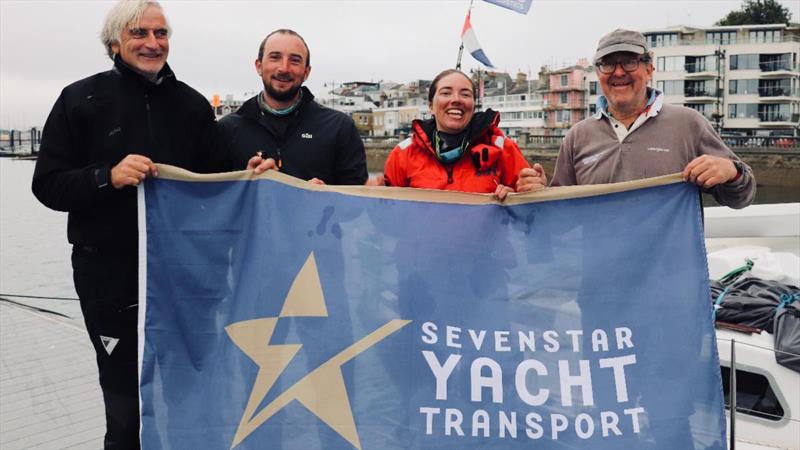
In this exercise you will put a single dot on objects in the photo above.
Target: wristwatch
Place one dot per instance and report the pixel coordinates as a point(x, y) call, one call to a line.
point(739, 170)
point(101, 177)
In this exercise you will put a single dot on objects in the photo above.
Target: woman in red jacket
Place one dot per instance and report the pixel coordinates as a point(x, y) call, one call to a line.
point(459, 149)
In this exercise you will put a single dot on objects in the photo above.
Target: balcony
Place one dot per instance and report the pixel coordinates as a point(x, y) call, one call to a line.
point(776, 93)
point(778, 67)
point(567, 87)
point(778, 118)
point(699, 71)
point(700, 95)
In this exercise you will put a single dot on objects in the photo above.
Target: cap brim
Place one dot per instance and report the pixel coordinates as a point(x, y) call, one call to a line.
point(639, 50)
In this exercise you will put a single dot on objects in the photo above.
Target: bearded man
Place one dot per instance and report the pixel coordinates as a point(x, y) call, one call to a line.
point(284, 128)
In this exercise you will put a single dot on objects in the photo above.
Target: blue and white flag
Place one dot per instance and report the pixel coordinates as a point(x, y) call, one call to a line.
point(471, 43)
point(279, 314)
point(520, 6)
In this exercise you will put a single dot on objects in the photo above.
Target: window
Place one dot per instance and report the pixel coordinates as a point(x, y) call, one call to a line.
point(721, 37)
point(592, 109)
point(703, 108)
point(775, 88)
point(743, 111)
point(593, 88)
point(670, 63)
point(563, 115)
point(671, 87)
point(743, 87)
point(663, 39)
point(777, 112)
point(744, 62)
point(700, 88)
point(564, 98)
point(764, 36)
point(695, 64)
point(564, 80)
point(773, 62)
point(754, 395)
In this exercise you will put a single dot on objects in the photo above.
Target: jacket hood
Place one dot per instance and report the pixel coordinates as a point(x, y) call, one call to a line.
point(481, 123)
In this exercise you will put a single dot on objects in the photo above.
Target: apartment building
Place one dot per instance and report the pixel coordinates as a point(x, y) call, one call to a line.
point(564, 96)
point(519, 103)
point(744, 79)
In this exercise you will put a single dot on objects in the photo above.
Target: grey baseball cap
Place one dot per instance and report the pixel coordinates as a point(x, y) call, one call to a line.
point(621, 40)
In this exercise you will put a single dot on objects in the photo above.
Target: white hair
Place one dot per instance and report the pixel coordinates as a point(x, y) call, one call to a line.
point(126, 13)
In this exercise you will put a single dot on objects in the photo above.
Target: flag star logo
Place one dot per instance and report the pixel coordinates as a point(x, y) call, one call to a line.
point(322, 390)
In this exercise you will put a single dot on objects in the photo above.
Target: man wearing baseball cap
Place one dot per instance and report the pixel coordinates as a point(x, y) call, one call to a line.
point(635, 135)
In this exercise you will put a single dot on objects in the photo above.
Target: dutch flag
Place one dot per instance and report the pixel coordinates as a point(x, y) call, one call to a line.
point(472, 45)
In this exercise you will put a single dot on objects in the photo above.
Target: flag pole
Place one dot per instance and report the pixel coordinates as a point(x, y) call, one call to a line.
point(461, 47)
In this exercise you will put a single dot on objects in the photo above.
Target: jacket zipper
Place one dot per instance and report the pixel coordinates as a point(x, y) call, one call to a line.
point(149, 120)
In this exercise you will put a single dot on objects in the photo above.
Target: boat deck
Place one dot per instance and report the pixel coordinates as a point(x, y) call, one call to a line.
point(49, 394)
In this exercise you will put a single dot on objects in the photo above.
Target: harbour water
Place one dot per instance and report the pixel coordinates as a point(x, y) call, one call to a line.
point(34, 253)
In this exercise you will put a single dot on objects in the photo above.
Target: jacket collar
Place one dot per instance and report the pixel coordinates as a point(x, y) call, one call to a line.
point(655, 99)
point(251, 109)
point(481, 122)
point(166, 75)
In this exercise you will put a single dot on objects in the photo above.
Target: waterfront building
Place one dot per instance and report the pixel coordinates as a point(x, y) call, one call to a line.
point(394, 115)
point(518, 101)
point(745, 79)
point(364, 122)
point(564, 96)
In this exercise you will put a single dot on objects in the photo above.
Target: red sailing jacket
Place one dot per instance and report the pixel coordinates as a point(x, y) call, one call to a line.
point(490, 159)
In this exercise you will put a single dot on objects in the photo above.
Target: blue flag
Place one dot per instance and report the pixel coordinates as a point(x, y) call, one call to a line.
point(520, 6)
point(279, 314)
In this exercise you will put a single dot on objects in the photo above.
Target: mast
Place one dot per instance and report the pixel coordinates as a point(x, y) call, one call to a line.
point(461, 47)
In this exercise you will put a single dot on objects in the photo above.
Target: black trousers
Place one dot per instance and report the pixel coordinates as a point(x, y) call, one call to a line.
point(106, 283)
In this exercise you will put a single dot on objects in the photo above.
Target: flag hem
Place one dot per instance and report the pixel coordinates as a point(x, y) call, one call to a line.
point(423, 195)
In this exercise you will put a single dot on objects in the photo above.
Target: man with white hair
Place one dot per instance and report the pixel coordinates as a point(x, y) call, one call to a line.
point(635, 135)
point(101, 140)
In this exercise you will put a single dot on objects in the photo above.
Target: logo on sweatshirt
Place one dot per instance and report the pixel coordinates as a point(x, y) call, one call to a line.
point(594, 158)
point(306, 136)
point(658, 149)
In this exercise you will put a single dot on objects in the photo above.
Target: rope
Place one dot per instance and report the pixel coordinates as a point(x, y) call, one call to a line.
point(718, 303)
point(787, 299)
point(38, 297)
point(734, 274)
point(34, 308)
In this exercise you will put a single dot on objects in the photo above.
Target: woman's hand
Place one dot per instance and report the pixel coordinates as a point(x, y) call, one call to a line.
point(502, 191)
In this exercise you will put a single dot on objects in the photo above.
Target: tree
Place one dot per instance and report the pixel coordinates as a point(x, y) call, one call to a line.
point(754, 12)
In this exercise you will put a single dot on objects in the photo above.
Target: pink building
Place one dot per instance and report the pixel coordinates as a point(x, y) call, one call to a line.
point(565, 96)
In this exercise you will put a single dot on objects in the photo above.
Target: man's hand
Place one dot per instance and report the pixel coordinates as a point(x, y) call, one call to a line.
point(532, 179)
point(708, 171)
point(379, 180)
point(502, 192)
point(259, 165)
point(131, 171)
point(316, 181)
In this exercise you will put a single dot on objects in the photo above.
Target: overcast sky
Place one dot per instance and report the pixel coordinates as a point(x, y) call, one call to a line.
point(45, 45)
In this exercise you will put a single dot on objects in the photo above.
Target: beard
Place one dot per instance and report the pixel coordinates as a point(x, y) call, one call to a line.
point(282, 96)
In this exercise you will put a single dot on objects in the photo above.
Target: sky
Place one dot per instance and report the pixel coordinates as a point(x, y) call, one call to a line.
point(46, 45)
